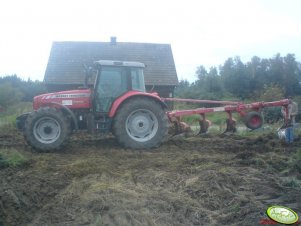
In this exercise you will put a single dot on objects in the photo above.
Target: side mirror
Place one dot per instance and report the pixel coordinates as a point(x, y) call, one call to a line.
point(89, 71)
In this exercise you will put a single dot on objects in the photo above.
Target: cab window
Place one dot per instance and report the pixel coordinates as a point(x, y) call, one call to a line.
point(137, 79)
point(112, 83)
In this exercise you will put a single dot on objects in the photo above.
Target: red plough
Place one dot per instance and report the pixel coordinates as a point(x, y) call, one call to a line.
point(251, 113)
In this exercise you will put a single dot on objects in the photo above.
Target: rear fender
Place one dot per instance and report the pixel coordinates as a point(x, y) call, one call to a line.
point(129, 95)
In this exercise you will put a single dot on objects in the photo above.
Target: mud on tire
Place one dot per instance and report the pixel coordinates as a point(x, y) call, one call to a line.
point(141, 123)
point(47, 129)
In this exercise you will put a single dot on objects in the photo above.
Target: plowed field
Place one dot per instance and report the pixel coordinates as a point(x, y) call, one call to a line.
point(207, 180)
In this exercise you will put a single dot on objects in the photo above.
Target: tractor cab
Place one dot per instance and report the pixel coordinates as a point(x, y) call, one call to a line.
point(115, 78)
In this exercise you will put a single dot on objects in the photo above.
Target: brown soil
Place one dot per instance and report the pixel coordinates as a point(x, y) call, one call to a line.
point(208, 180)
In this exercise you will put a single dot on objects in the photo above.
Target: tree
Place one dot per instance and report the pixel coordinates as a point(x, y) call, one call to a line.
point(29, 88)
point(256, 69)
point(272, 92)
point(286, 73)
point(183, 89)
point(201, 72)
point(236, 78)
point(208, 85)
point(246, 80)
point(214, 81)
point(292, 75)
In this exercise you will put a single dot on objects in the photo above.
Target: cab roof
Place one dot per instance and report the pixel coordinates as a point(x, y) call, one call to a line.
point(119, 63)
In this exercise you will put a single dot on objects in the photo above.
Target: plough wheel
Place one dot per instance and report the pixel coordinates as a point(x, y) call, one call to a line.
point(253, 120)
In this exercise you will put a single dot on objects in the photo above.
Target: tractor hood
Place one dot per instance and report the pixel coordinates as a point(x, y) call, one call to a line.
point(74, 99)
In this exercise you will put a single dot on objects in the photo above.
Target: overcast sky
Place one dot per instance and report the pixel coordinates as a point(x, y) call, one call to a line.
point(201, 32)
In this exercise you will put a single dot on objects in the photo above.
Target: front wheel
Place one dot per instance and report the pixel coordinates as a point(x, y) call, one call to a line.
point(141, 123)
point(47, 129)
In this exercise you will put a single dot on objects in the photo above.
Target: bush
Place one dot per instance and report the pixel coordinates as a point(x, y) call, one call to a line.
point(272, 93)
point(272, 114)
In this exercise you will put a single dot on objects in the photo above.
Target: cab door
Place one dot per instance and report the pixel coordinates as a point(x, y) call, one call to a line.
point(111, 83)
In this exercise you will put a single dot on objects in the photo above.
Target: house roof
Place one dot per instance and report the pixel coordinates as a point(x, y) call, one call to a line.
point(65, 64)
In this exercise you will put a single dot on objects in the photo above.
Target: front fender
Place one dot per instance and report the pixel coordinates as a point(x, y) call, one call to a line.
point(67, 111)
point(20, 120)
point(128, 96)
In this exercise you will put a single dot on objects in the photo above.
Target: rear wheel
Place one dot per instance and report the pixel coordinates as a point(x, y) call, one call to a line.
point(141, 123)
point(47, 129)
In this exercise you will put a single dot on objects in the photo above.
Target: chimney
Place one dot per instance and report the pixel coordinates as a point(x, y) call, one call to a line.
point(113, 40)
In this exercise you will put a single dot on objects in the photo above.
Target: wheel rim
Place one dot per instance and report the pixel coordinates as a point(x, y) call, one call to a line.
point(255, 121)
point(142, 125)
point(47, 130)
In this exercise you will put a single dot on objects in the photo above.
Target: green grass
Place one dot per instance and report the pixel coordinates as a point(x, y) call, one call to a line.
point(298, 155)
point(8, 117)
point(12, 158)
point(216, 118)
point(18, 108)
point(291, 182)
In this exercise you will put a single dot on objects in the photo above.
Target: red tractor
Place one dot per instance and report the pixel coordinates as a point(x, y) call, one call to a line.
point(119, 104)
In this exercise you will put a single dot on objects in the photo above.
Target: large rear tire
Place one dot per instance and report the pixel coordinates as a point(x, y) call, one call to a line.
point(141, 123)
point(47, 129)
